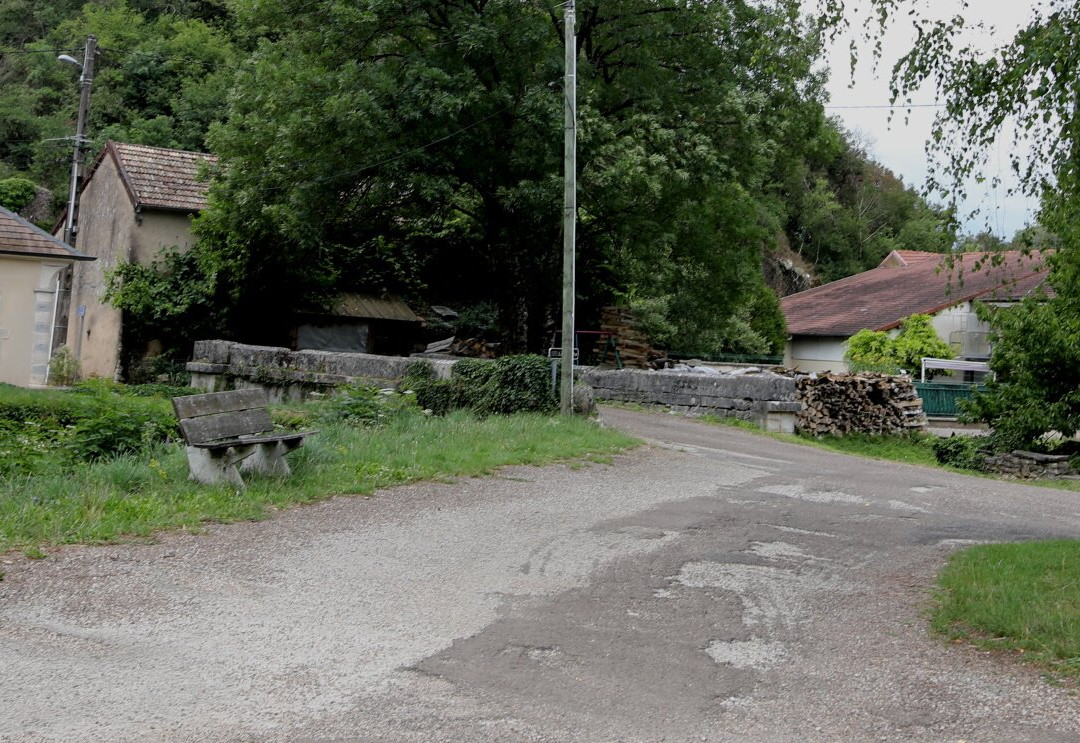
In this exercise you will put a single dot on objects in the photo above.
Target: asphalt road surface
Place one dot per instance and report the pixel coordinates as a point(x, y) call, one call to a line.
point(715, 586)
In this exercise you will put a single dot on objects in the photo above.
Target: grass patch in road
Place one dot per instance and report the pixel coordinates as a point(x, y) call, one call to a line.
point(138, 494)
point(1023, 598)
point(910, 449)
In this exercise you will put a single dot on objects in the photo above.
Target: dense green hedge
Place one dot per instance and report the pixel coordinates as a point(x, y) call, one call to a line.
point(510, 384)
point(965, 452)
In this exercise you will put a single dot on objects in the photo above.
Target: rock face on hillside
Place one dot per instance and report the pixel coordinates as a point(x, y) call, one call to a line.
point(40, 210)
point(785, 272)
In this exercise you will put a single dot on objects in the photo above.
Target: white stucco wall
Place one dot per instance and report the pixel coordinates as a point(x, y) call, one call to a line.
point(27, 313)
point(816, 353)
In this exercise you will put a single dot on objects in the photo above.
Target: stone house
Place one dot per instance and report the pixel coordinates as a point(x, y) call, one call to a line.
point(135, 202)
point(32, 264)
point(821, 320)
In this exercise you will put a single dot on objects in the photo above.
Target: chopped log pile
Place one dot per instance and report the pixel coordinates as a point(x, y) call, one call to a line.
point(467, 347)
point(836, 404)
point(476, 348)
point(632, 343)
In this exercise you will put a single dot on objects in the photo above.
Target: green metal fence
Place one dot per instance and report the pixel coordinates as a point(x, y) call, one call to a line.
point(940, 400)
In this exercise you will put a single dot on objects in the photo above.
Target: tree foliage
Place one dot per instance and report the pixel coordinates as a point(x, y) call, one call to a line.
point(415, 147)
point(875, 350)
point(161, 76)
point(847, 212)
point(380, 146)
point(16, 193)
point(1028, 86)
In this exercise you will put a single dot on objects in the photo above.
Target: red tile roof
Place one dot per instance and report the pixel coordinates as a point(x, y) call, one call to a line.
point(159, 178)
point(908, 282)
point(19, 237)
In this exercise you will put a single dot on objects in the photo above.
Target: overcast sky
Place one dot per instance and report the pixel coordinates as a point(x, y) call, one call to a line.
point(900, 146)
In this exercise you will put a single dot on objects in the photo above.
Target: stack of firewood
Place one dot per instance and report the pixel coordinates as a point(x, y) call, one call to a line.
point(632, 343)
point(835, 404)
point(476, 348)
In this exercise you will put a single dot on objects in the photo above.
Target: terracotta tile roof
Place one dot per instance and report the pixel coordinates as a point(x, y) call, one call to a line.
point(906, 283)
point(19, 237)
point(158, 178)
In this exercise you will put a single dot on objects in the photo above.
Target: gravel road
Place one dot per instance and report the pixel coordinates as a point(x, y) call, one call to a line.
point(714, 586)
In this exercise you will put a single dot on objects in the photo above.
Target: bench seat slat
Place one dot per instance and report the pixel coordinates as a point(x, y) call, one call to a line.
point(290, 436)
point(208, 428)
point(212, 403)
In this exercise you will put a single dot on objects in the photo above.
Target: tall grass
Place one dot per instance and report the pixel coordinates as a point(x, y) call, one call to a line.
point(1020, 597)
point(136, 495)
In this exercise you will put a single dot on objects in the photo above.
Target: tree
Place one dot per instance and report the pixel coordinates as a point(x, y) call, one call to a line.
point(416, 148)
point(847, 212)
point(16, 193)
point(1031, 80)
point(161, 78)
point(874, 350)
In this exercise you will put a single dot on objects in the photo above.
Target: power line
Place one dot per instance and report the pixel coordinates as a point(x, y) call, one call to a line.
point(34, 51)
point(896, 106)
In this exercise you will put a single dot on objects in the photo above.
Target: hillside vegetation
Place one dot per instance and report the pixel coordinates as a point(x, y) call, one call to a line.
point(417, 149)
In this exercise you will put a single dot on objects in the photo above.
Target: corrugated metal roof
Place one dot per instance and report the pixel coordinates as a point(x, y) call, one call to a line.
point(366, 306)
point(19, 237)
point(907, 283)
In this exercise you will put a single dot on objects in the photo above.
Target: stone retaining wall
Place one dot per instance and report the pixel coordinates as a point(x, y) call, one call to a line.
point(1029, 465)
point(289, 375)
point(766, 399)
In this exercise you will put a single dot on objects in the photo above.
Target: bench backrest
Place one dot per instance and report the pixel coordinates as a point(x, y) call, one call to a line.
point(222, 415)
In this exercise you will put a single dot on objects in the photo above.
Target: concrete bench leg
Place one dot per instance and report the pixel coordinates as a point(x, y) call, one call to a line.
point(214, 466)
point(269, 459)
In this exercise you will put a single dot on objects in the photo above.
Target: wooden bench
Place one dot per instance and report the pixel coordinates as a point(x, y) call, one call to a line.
point(222, 429)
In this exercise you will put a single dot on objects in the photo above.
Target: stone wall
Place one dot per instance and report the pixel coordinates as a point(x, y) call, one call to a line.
point(285, 374)
point(1029, 465)
point(766, 399)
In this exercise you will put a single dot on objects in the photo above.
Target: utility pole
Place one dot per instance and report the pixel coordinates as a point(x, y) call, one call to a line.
point(62, 309)
point(86, 79)
point(566, 386)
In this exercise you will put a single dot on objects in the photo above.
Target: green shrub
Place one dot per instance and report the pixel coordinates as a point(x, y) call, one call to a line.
point(16, 193)
point(510, 384)
point(442, 396)
point(63, 367)
point(121, 429)
point(473, 371)
point(964, 452)
point(518, 384)
point(97, 385)
point(46, 427)
point(874, 350)
point(367, 405)
point(416, 372)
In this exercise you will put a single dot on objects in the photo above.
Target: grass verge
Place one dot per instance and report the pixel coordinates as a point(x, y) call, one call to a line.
point(136, 495)
point(1022, 598)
